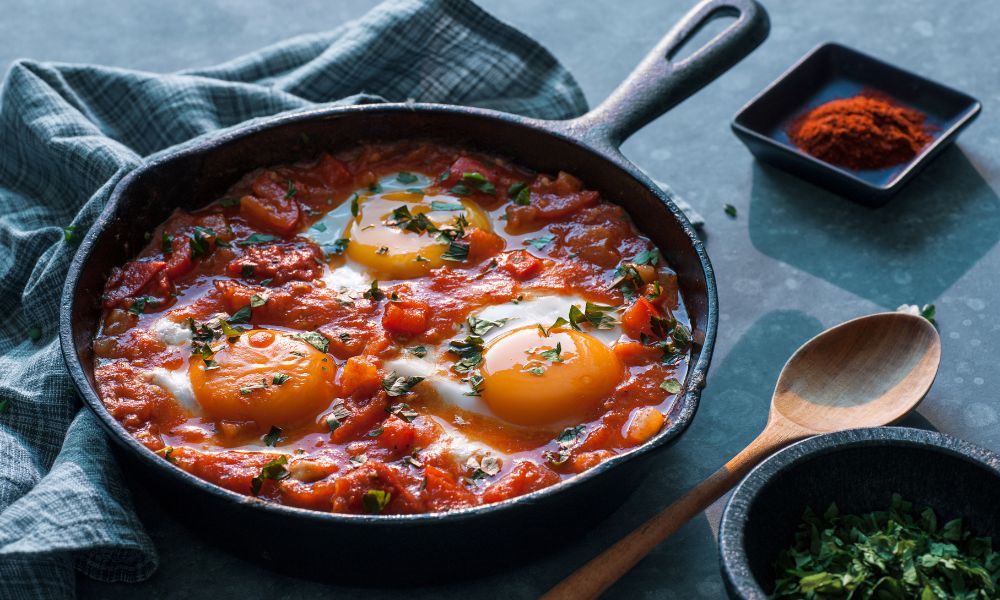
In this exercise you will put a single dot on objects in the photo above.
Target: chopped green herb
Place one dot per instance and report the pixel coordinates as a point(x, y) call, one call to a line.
point(200, 242)
point(457, 251)
point(398, 385)
point(479, 181)
point(487, 467)
point(256, 301)
point(139, 304)
point(460, 189)
point(928, 312)
point(375, 188)
point(358, 460)
point(469, 352)
point(730, 210)
point(382, 250)
point(355, 208)
point(403, 411)
point(244, 391)
point(336, 417)
point(319, 226)
point(438, 205)
point(375, 501)
point(168, 243)
point(246, 271)
point(274, 470)
point(406, 178)
point(280, 378)
point(553, 354)
point(537, 370)
point(229, 202)
point(292, 190)
point(68, 234)
point(339, 246)
point(273, 437)
point(540, 242)
point(481, 326)
point(168, 453)
point(376, 432)
point(232, 334)
point(419, 351)
point(374, 294)
point(671, 386)
point(476, 382)
point(314, 338)
point(895, 553)
point(519, 194)
point(646, 257)
point(241, 316)
point(257, 239)
point(570, 437)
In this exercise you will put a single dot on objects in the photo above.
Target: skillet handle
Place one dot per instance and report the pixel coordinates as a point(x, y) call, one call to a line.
point(658, 84)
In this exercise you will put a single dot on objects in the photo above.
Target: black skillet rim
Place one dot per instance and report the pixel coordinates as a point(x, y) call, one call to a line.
point(694, 384)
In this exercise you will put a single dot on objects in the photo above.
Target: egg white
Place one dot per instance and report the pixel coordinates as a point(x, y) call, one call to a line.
point(175, 382)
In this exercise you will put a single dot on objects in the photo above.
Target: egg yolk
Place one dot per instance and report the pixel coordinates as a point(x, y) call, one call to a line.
point(403, 248)
point(531, 379)
point(265, 376)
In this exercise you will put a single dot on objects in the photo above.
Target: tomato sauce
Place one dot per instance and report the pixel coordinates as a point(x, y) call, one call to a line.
point(264, 342)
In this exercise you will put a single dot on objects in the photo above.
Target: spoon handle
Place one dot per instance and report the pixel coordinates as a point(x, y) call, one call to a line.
point(590, 580)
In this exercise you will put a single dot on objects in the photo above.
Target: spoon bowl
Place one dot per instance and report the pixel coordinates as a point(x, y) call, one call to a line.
point(867, 372)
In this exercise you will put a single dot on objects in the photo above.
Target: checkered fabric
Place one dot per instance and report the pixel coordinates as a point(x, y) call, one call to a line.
point(69, 134)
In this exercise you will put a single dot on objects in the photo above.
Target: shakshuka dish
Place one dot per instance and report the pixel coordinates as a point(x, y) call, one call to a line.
point(401, 328)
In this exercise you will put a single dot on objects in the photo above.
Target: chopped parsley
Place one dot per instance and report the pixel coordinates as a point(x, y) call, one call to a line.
point(476, 383)
point(598, 315)
point(319, 226)
point(627, 280)
point(139, 304)
point(274, 470)
point(244, 391)
point(200, 242)
point(228, 202)
point(895, 553)
point(355, 208)
point(375, 501)
point(247, 271)
point(257, 239)
point(646, 257)
point(292, 190)
point(460, 189)
point(374, 294)
point(376, 432)
point(168, 453)
point(280, 378)
point(446, 206)
point(403, 411)
point(481, 326)
point(457, 252)
point(68, 234)
point(398, 385)
point(671, 386)
point(519, 194)
point(314, 338)
point(469, 352)
point(570, 437)
point(358, 460)
point(256, 301)
point(339, 246)
point(382, 250)
point(241, 316)
point(537, 370)
point(336, 417)
point(539, 243)
point(406, 178)
point(418, 351)
point(273, 437)
point(730, 210)
point(553, 354)
point(487, 467)
point(478, 181)
point(167, 243)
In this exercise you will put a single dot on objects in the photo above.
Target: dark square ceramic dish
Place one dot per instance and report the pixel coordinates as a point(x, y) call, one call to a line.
point(832, 71)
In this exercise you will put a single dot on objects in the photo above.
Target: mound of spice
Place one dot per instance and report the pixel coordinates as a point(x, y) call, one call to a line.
point(896, 553)
point(867, 131)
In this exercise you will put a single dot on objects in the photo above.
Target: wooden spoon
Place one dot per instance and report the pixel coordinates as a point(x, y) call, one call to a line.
point(867, 372)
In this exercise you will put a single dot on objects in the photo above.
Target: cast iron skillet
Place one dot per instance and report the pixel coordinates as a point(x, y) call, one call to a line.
point(461, 542)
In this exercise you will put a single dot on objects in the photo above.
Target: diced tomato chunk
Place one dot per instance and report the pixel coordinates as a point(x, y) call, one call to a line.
point(333, 172)
point(525, 477)
point(635, 353)
point(637, 319)
point(350, 491)
point(279, 262)
point(127, 281)
point(442, 492)
point(272, 204)
point(483, 244)
point(458, 169)
point(521, 264)
point(397, 435)
point(406, 317)
point(365, 415)
point(359, 377)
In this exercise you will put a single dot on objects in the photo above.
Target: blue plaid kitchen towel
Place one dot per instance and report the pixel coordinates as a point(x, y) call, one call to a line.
point(68, 133)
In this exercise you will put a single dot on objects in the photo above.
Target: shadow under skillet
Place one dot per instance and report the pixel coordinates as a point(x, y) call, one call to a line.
point(906, 252)
point(732, 412)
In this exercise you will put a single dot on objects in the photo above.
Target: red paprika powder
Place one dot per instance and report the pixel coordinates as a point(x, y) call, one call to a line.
point(867, 131)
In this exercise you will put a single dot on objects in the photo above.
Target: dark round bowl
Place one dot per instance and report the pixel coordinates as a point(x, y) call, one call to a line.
point(858, 469)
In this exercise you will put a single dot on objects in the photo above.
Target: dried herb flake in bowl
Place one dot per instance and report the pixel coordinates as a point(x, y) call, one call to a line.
point(896, 553)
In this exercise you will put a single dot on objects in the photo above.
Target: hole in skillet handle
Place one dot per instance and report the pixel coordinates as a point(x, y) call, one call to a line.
point(704, 34)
